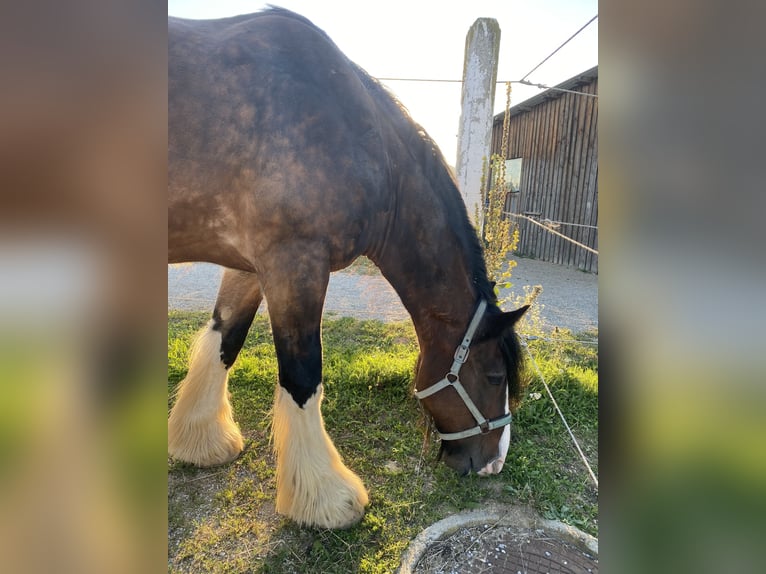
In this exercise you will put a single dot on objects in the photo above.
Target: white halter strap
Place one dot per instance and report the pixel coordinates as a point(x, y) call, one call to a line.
point(452, 379)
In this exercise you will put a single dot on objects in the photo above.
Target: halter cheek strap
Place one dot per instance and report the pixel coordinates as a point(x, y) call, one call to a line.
point(452, 379)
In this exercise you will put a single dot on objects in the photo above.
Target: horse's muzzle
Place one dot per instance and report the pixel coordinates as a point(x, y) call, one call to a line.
point(464, 465)
point(493, 467)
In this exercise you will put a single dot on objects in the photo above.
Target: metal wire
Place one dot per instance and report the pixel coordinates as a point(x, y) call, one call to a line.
point(551, 222)
point(524, 82)
point(548, 57)
point(558, 410)
point(552, 231)
point(554, 88)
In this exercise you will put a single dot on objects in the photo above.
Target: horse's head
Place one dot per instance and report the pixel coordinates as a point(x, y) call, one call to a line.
point(470, 400)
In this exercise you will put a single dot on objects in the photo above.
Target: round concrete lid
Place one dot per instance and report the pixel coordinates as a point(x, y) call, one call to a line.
point(500, 540)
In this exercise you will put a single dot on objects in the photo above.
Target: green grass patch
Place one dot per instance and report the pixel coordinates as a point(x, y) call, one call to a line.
point(223, 520)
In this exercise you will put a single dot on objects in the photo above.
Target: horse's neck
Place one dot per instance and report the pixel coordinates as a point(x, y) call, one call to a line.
point(423, 260)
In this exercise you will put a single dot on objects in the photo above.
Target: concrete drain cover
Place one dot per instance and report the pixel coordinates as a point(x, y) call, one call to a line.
point(508, 540)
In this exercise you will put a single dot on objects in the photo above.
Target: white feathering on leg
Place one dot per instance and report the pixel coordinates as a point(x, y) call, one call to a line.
point(314, 487)
point(201, 428)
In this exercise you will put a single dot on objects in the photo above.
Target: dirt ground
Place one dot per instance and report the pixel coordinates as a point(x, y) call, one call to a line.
point(569, 298)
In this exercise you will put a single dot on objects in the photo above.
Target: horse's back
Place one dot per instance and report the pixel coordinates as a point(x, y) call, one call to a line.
point(271, 130)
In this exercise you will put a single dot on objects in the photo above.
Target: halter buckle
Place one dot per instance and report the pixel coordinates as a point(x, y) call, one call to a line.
point(461, 354)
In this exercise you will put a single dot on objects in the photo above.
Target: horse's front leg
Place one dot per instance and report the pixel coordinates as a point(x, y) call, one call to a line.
point(201, 428)
point(314, 487)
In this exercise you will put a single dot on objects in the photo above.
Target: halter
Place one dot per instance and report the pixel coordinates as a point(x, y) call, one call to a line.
point(452, 379)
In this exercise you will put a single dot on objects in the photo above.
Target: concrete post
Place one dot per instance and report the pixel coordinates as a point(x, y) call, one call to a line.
point(482, 46)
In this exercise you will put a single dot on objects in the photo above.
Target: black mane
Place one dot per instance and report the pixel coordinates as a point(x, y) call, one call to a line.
point(436, 170)
point(514, 363)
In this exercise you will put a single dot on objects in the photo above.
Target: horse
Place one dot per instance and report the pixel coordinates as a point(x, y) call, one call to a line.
point(287, 161)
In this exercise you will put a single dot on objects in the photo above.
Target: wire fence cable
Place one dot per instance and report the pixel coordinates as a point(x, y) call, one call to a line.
point(523, 82)
point(561, 415)
point(550, 230)
point(548, 57)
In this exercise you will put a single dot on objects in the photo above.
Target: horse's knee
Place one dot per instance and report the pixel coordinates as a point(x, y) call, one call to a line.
point(233, 329)
point(239, 297)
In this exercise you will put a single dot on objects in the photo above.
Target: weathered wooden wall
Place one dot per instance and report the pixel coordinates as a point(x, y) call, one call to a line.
point(557, 137)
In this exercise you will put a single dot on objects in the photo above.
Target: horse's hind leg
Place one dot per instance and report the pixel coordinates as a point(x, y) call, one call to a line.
point(314, 487)
point(201, 429)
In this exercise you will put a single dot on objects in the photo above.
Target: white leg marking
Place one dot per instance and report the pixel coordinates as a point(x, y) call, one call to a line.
point(496, 465)
point(314, 487)
point(201, 429)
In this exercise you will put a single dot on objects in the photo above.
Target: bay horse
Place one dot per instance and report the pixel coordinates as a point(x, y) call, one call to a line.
point(286, 161)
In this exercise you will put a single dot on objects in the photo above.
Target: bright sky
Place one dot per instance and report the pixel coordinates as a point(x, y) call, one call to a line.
point(426, 39)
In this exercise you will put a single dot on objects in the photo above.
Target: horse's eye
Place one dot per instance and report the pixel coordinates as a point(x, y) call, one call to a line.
point(496, 379)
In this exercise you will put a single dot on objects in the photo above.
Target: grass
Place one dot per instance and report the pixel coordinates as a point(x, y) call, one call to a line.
point(362, 266)
point(223, 520)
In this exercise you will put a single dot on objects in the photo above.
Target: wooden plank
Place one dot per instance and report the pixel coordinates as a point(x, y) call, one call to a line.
point(514, 137)
point(558, 163)
point(593, 186)
point(554, 173)
point(574, 118)
point(578, 124)
point(532, 190)
point(541, 191)
point(592, 215)
point(552, 177)
point(551, 191)
point(578, 179)
point(525, 246)
point(521, 129)
point(565, 164)
point(545, 191)
point(513, 146)
point(545, 179)
point(587, 201)
point(526, 190)
point(542, 117)
point(593, 219)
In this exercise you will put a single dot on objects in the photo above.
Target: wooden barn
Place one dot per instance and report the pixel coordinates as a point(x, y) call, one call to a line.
point(552, 171)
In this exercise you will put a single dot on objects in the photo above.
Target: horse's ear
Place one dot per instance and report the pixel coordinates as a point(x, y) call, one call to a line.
point(496, 325)
point(512, 317)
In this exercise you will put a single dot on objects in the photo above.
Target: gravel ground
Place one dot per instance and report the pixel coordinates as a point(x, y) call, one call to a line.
point(569, 298)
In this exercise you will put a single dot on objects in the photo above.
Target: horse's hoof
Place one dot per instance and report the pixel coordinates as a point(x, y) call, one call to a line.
point(334, 501)
point(349, 514)
point(204, 445)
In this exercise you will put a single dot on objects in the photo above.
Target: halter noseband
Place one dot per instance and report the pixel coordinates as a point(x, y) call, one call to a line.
point(452, 379)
